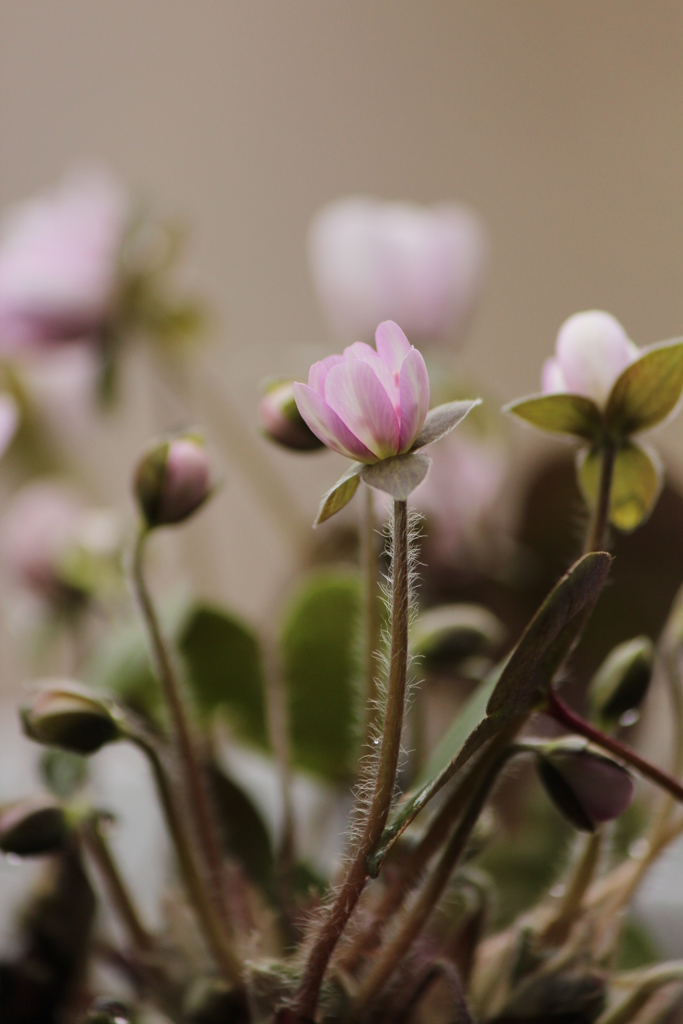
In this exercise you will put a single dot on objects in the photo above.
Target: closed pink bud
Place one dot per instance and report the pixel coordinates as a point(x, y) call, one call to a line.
point(591, 352)
point(368, 404)
point(172, 480)
point(59, 261)
point(420, 266)
point(281, 420)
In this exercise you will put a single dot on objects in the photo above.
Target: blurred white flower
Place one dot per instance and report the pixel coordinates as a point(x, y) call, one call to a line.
point(60, 260)
point(592, 349)
point(419, 266)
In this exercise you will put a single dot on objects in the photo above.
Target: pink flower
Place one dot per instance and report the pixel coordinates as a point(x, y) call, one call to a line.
point(420, 266)
point(592, 350)
point(367, 404)
point(59, 261)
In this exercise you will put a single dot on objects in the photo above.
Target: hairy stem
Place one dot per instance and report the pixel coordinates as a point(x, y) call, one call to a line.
point(392, 954)
point(371, 609)
point(199, 894)
point(597, 533)
point(197, 794)
point(337, 915)
point(561, 713)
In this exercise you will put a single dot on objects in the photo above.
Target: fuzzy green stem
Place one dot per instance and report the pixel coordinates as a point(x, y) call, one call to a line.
point(337, 915)
point(371, 609)
point(200, 896)
point(422, 908)
point(565, 716)
point(98, 848)
point(411, 870)
point(597, 533)
point(197, 795)
point(649, 981)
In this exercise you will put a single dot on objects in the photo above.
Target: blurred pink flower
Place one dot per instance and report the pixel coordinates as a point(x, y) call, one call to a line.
point(460, 495)
point(59, 261)
point(420, 266)
point(367, 404)
point(592, 350)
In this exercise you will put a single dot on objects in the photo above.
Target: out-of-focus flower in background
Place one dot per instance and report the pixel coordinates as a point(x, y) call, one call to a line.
point(54, 547)
point(60, 261)
point(460, 495)
point(368, 404)
point(592, 350)
point(420, 266)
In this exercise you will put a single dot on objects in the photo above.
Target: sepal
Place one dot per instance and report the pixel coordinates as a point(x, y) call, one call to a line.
point(637, 479)
point(647, 391)
point(340, 494)
point(570, 414)
point(397, 476)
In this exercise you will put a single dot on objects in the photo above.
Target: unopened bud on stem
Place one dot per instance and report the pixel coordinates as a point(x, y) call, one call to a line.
point(622, 681)
point(30, 828)
point(281, 420)
point(587, 787)
point(172, 480)
point(68, 716)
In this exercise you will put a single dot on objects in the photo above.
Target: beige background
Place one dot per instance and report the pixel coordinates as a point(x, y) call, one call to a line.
point(559, 121)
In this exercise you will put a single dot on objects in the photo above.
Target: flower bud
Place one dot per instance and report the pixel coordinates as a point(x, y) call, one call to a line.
point(172, 480)
point(446, 635)
point(587, 787)
point(71, 717)
point(621, 682)
point(109, 1011)
point(33, 827)
point(281, 420)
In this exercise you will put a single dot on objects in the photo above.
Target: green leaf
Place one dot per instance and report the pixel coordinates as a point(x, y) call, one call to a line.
point(525, 677)
point(442, 420)
point(320, 668)
point(636, 483)
point(245, 837)
point(549, 637)
point(560, 414)
point(224, 670)
point(399, 475)
point(647, 391)
point(445, 635)
point(340, 494)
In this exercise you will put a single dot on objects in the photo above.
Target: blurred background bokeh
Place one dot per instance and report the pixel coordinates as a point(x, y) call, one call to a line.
point(558, 123)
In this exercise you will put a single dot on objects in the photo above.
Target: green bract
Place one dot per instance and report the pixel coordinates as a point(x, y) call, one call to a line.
point(643, 396)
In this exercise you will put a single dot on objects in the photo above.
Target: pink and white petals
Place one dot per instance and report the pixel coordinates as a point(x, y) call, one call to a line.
point(413, 384)
point(326, 425)
point(355, 393)
point(592, 350)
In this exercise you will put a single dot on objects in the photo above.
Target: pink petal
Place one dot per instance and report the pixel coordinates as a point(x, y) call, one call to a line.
point(326, 425)
point(392, 344)
point(552, 377)
point(9, 421)
point(355, 393)
point(413, 385)
point(318, 372)
point(367, 354)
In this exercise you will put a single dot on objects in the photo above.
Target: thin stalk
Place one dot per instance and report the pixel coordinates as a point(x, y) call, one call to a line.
point(649, 981)
point(411, 870)
point(558, 710)
point(557, 929)
point(393, 953)
point(197, 794)
point(371, 609)
point(199, 894)
point(119, 894)
point(337, 915)
point(597, 534)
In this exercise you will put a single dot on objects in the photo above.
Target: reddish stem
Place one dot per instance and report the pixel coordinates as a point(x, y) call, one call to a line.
point(558, 710)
